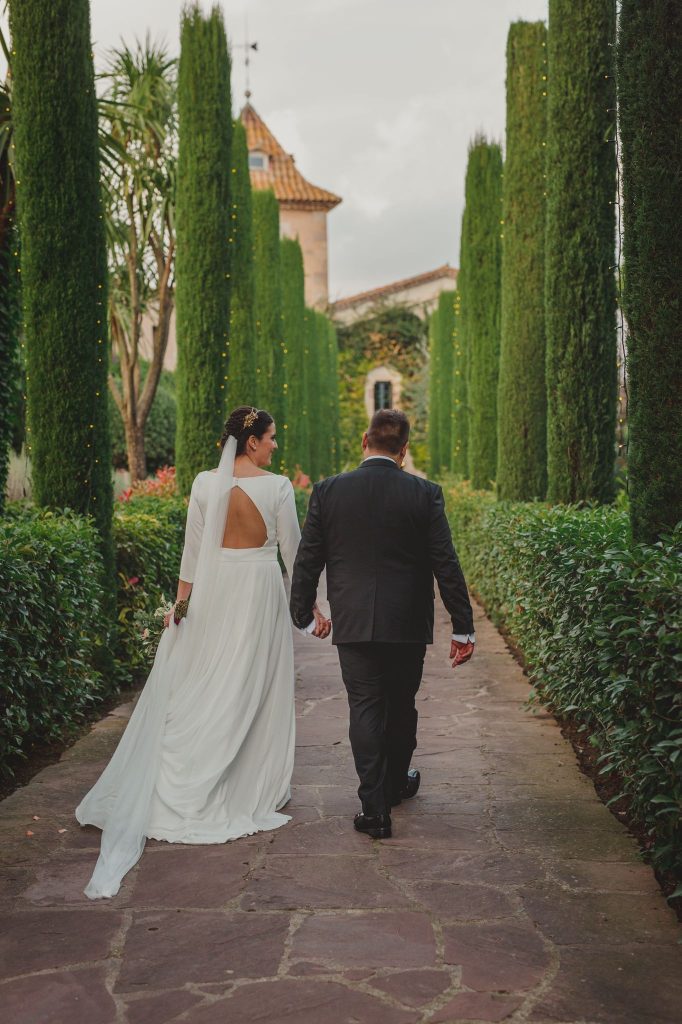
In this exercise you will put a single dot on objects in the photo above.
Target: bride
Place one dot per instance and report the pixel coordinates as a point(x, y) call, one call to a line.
point(208, 753)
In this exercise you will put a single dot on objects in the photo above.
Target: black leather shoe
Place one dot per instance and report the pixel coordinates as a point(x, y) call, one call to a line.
point(409, 788)
point(377, 826)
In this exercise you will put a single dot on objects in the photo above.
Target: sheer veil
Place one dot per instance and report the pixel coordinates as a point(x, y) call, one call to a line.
point(120, 800)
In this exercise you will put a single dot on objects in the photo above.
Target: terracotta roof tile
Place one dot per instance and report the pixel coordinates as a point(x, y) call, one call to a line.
point(396, 286)
point(282, 175)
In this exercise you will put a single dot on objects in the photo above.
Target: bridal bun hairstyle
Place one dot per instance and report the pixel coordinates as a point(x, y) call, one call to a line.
point(243, 423)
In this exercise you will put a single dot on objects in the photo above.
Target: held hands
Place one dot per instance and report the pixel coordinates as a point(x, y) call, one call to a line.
point(323, 626)
point(460, 653)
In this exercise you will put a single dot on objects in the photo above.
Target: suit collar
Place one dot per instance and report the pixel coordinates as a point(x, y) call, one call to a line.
point(378, 460)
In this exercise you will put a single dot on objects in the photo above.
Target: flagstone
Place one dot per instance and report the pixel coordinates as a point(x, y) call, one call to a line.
point(330, 835)
point(441, 832)
point(172, 882)
point(162, 947)
point(584, 918)
point(76, 997)
point(454, 900)
point(47, 939)
point(605, 876)
point(304, 1001)
point(415, 988)
point(477, 1006)
point(364, 939)
point(491, 867)
point(614, 984)
point(312, 882)
point(501, 956)
point(161, 1007)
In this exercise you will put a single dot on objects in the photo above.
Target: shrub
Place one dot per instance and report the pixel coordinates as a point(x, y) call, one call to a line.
point(302, 492)
point(53, 631)
point(149, 535)
point(598, 620)
point(162, 485)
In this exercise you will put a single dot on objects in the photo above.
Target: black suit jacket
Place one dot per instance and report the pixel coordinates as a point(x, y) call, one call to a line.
point(383, 535)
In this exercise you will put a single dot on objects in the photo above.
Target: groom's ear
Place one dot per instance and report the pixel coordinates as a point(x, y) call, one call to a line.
point(365, 442)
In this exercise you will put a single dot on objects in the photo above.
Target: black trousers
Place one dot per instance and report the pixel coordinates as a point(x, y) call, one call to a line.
point(381, 680)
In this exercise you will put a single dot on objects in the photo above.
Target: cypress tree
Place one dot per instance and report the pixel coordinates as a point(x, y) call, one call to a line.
point(446, 330)
point(293, 330)
point(241, 389)
point(63, 257)
point(328, 426)
point(9, 325)
point(480, 289)
point(203, 263)
point(270, 391)
point(313, 399)
point(580, 295)
point(522, 396)
point(650, 98)
point(334, 456)
point(324, 409)
point(434, 394)
point(460, 414)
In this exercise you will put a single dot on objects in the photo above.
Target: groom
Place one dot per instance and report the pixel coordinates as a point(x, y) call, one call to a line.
point(382, 535)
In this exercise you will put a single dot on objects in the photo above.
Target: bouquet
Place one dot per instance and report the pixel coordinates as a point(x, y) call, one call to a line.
point(149, 627)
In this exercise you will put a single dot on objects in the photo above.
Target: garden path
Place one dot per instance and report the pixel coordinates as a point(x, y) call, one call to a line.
point(508, 892)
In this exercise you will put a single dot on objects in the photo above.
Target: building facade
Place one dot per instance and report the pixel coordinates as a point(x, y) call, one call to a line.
point(419, 294)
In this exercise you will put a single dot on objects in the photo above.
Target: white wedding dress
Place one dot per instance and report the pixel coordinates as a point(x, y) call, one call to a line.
point(208, 753)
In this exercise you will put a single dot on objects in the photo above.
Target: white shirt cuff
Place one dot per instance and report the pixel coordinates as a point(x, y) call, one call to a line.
point(464, 638)
point(305, 631)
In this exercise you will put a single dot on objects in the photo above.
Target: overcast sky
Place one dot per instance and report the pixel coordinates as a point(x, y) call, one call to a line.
point(377, 100)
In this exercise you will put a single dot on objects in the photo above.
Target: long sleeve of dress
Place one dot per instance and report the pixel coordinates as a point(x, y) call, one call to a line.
point(288, 530)
point(194, 529)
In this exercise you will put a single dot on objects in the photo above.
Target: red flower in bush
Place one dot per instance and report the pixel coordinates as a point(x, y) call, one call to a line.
point(133, 581)
point(301, 479)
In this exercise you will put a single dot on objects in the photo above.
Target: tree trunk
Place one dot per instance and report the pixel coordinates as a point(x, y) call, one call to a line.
point(137, 459)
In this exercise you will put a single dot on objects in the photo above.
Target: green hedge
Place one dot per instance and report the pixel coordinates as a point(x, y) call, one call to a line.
point(149, 534)
point(52, 630)
point(599, 623)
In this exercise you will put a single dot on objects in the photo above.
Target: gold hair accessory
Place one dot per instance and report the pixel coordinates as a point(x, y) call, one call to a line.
point(250, 419)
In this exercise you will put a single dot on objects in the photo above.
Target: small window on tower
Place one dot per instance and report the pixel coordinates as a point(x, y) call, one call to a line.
point(258, 161)
point(383, 395)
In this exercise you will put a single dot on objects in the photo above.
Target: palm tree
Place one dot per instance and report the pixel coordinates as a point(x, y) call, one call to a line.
point(138, 114)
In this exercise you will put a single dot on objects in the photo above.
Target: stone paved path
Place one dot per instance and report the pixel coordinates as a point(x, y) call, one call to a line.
point(508, 893)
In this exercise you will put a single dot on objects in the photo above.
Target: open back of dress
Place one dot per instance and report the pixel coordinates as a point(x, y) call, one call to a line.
point(244, 526)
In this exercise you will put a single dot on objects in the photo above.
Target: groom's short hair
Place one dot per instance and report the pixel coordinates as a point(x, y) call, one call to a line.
point(389, 431)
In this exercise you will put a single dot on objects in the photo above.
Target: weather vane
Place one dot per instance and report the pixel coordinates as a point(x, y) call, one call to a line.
point(247, 47)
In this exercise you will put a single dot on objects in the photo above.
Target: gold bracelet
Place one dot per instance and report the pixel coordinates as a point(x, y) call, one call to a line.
point(180, 610)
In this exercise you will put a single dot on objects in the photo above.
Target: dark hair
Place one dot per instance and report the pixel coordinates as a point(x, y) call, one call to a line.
point(234, 426)
point(389, 431)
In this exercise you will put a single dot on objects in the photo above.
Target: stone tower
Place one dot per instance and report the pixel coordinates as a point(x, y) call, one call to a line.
point(303, 206)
